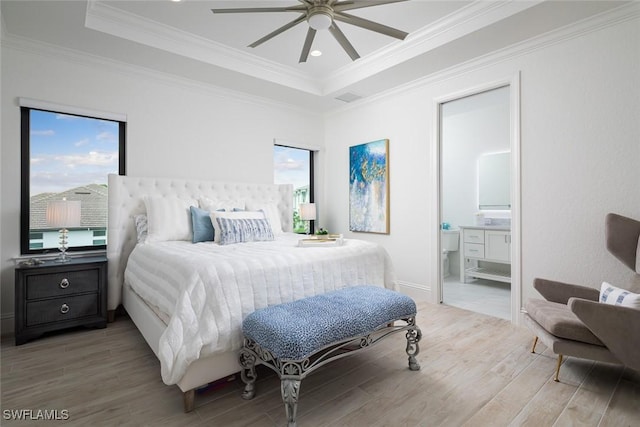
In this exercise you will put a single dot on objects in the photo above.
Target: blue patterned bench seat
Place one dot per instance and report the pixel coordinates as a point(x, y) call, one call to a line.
point(298, 337)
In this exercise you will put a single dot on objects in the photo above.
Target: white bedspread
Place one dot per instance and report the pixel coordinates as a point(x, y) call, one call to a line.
point(208, 289)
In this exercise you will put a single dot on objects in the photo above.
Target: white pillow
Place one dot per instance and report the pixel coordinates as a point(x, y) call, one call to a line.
point(616, 296)
point(213, 205)
point(231, 215)
point(169, 218)
point(271, 212)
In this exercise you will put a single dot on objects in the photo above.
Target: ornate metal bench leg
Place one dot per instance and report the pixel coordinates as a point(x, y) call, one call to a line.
point(413, 337)
point(248, 373)
point(290, 390)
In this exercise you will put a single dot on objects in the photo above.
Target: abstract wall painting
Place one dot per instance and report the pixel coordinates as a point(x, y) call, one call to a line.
point(369, 187)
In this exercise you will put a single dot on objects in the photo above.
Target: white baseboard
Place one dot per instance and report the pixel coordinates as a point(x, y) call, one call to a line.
point(420, 293)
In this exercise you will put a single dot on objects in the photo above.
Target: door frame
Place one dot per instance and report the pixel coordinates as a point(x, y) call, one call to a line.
point(513, 82)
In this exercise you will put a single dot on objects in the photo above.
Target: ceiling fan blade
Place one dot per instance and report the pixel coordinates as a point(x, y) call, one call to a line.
point(370, 25)
point(279, 31)
point(340, 37)
point(307, 45)
point(262, 9)
point(350, 5)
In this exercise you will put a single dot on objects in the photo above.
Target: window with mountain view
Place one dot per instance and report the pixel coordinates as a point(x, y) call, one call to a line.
point(295, 166)
point(67, 157)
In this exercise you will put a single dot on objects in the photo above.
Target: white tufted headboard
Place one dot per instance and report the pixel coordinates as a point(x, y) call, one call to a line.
point(126, 200)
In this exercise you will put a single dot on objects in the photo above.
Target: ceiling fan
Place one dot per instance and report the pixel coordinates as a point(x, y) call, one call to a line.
point(322, 15)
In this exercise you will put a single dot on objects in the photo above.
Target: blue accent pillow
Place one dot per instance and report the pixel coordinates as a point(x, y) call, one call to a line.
point(202, 226)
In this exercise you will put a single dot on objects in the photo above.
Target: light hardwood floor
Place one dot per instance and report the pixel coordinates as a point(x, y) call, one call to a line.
point(477, 370)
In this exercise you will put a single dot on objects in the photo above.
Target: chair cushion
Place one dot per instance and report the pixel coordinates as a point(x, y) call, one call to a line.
point(558, 320)
point(295, 330)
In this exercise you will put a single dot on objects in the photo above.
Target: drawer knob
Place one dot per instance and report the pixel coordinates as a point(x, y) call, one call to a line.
point(64, 283)
point(64, 309)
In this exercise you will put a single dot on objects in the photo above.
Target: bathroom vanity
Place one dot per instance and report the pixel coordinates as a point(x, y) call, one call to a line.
point(485, 253)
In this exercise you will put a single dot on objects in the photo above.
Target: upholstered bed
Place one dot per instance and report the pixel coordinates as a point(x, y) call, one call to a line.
point(188, 299)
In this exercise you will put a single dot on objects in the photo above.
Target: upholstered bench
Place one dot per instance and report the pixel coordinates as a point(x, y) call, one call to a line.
point(296, 338)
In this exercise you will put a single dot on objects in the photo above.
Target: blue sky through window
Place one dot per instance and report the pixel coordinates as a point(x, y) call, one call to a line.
point(68, 151)
point(291, 166)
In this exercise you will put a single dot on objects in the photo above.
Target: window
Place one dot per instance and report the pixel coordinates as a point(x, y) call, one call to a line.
point(295, 166)
point(67, 156)
point(36, 240)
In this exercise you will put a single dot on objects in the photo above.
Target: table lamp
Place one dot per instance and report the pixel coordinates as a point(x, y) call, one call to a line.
point(63, 214)
point(308, 213)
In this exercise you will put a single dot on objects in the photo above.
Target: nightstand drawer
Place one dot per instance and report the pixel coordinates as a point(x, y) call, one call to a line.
point(62, 283)
point(61, 309)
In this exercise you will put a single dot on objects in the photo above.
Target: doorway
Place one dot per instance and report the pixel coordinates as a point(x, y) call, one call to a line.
point(478, 200)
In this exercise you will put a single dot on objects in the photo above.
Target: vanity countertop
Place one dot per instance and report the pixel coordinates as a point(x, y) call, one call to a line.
point(488, 227)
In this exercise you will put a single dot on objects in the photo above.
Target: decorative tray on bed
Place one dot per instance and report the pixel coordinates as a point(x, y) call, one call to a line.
point(322, 240)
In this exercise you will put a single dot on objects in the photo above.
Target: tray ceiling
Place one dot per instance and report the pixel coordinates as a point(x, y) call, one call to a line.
point(185, 38)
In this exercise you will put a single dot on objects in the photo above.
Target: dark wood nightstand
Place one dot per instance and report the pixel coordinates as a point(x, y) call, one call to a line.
point(53, 296)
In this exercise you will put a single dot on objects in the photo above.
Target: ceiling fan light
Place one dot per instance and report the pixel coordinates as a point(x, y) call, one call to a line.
point(320, 21)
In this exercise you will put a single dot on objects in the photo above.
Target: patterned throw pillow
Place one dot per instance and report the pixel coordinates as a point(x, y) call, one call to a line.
point(270, 212)
point(244, 230)
point(638, 257)
point(610, 294)
point(231, 215)
point(141, 228)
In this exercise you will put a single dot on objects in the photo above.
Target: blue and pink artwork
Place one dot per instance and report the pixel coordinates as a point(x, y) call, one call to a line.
point(369, 187)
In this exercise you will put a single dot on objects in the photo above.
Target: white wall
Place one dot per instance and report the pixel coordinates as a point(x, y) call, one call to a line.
point(579, 131)
point(175, 128)
point(580, 156)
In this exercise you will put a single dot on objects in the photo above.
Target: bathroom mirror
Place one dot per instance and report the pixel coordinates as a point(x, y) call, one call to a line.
point(493, 181)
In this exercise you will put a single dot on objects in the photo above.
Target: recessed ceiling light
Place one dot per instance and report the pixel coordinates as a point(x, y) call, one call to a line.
point(315, 53)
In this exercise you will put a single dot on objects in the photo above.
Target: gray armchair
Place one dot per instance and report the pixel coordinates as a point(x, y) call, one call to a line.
point(571, 321)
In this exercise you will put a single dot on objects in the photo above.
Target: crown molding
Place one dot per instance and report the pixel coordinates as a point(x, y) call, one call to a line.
point(119, 23)
point(627, 12)
point(116, 22)
point(39, 48)
point(609, 18)
point(464, 21)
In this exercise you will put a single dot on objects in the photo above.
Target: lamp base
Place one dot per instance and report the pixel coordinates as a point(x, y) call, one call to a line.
point(63, 256)
point(63, 246)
